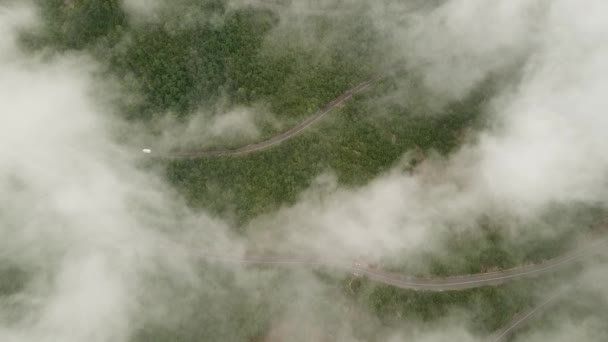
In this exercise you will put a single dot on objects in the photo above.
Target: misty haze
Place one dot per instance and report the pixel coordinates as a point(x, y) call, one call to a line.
point(303, 170)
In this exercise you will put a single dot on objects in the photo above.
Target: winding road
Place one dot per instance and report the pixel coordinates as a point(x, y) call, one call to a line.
point(452, 283)
point(505, 332)
point(439, 283)
point(256, 147)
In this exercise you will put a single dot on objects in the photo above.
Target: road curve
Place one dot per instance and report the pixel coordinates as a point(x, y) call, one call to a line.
point(503, 333)
point(389, 278)
point(255, 147)
point(452, 283)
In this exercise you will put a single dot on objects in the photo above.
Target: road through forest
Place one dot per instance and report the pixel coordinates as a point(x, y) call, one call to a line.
point(277, 139)
point(452, 283)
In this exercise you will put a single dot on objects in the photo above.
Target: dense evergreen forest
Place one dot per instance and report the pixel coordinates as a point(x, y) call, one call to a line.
point(223, 53)
point(197, 53)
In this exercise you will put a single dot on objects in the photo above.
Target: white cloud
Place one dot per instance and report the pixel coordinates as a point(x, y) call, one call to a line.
point(546, 144)
point(142, 8)
point(76, 206)
point(77, 214)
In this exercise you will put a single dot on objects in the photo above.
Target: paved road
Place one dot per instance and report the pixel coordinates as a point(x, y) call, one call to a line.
point(390, 278)
point(453, 283)
point(483, 279)
point(519, 320)
point(438, 283)
point(255, 147)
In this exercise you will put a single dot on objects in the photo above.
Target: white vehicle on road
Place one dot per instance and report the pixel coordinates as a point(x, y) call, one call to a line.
point(147, 150)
